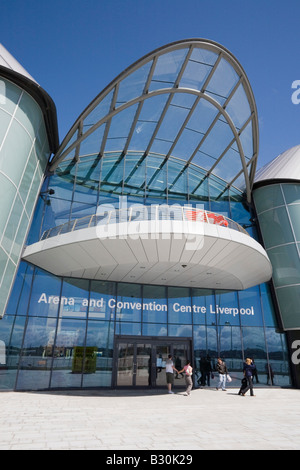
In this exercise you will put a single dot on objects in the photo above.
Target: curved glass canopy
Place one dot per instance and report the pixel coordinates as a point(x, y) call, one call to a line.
point(190, 100)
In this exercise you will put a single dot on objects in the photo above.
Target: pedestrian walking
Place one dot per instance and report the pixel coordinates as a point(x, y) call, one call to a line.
point(248, 370)
point(222, 370)
point(188, 370)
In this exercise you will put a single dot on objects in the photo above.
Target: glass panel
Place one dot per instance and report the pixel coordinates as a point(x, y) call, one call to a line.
point(4, 121)
point(214, 145)
point(68, 343)
point(275, 227)
point(255, 348)
point(230, 164)
point(291, 193)
point(133, 85)
point(250, 307)
point(45, 296)
point(129, 303)
point(153, 329)
point(15, 151)
point(238, 107)
point(289, 301)
point(277, 370)
point(180, 357)
point(10, 96)
point(227, 308)
point(11, 337)
point(74, 298)
point(127, 328)
point(92, 144)
point(267, 305)
point(154, 304)
point(162, 353)
point(98, 112)
point(29, 114)
point(222, 82)
point(286, 264)
point(98, 354)
point(167, 69)
point(102, 300)
point(203, 302)
point(125, 364)
point(143, 364)
point(179, 306)
point(231, 350)
point(268, 197)
point(7, 194)
point(294, 213)
point(246, 139)
point(37, 354)
point(18, 302)
point(195, 75)
point(185, 331)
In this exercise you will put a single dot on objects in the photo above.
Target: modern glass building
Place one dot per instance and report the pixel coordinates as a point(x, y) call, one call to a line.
point(143, 238)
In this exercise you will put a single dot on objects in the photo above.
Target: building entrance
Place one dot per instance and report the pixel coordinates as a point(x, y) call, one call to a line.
point(141, 361)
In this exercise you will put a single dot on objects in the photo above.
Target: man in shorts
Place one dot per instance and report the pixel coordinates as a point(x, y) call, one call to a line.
point(170, 373)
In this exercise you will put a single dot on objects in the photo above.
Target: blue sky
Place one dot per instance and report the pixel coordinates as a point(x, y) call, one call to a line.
point(74, 48)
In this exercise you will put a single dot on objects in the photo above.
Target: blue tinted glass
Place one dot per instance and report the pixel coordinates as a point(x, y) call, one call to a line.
point(99, 354)
point(75, 298)
point(45, 296)
point(250, 307)
point(155, 329)
point(11, 337)
point(102, 300)
point(267, 306)
point(68, 353)
point(227, 308)
point(180, 308)
point(37, 354)
point(180, 330)
point(18, 302)
point(203, 303)
point(154, 304)
point(126, 328)
point(129, 303)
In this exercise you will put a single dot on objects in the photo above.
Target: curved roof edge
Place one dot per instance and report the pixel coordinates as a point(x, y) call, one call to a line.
point(285, 167)
point(13, 71)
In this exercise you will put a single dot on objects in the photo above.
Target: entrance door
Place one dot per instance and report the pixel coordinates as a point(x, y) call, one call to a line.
point(141, 362)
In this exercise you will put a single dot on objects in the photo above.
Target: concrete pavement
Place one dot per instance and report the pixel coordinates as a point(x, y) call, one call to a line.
point(150, 420)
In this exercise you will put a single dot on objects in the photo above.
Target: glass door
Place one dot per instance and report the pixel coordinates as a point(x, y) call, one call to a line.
point(143, 363)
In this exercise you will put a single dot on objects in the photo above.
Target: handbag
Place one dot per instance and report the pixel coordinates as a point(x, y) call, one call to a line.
point(229, 379)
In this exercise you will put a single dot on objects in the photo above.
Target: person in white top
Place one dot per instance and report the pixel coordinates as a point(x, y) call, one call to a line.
point(170, 373)
point(188, 377)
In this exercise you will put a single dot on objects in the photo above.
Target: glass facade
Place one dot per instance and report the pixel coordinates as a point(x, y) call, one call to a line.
point(24, 153)
point(278, 209)
point(177, 127)
point(61, 333)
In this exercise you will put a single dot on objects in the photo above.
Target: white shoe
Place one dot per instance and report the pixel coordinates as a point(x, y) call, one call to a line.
point(170, 391)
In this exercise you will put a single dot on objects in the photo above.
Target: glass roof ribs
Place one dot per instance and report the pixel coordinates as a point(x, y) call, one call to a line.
point(190, 99)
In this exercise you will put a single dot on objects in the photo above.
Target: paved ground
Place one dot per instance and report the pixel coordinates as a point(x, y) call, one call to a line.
point(145, 420)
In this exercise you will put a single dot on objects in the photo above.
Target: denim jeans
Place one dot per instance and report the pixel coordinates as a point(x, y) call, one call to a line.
point(222, 381)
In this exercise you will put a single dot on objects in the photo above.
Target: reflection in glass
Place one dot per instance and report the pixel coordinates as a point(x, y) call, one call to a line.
point(37, 354)
point(68, 346)
point(98, 354)
point(75, 298)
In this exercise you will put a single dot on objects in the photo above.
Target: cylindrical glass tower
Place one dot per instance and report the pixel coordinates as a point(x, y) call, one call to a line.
point(26, 143)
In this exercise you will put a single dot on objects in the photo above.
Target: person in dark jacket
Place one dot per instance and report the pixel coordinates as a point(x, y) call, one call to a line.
point(248, 371)
point(222, 370)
